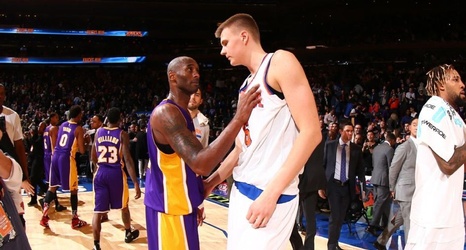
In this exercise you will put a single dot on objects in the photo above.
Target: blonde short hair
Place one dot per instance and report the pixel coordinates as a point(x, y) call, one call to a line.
point(241, 21)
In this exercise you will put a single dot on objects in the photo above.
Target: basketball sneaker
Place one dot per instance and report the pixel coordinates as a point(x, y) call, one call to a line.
point(77, 223)
point(59, 208)
point(41, 202)
point(45, 221)
point(32, 203)
point(131, 235)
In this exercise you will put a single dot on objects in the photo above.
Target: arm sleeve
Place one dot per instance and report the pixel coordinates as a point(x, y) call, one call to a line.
point(436, 130)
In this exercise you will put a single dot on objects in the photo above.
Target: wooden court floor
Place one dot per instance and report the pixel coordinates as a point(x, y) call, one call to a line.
point(61, 236)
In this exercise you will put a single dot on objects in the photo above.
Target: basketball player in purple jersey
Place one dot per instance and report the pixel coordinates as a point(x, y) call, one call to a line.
point(63, 170)
point(174, 188)
point(50, 139)
point(111, 145)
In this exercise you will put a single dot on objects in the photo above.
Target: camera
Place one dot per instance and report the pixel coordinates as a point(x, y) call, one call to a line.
point(2, 124)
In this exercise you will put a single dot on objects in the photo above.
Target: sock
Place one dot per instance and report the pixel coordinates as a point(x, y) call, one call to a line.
point(96, 244)
point(127, 231)
point(49, 197)
point(74, 204)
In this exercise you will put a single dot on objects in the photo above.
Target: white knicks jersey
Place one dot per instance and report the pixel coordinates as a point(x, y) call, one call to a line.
point(268, 136)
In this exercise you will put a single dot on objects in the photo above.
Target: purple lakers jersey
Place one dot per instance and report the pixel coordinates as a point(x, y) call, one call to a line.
point(66, 141)
point(108, 146)
point(171, 186)
point(47, 141)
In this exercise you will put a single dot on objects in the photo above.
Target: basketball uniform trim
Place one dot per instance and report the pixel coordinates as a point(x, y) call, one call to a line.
point(252, 192)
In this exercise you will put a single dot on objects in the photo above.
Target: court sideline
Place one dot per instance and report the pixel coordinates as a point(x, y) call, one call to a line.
point(213, 234)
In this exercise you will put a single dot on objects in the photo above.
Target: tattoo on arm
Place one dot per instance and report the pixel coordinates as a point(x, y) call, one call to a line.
point(172, 125)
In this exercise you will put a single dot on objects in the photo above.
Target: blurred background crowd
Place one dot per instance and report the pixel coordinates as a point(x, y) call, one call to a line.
point(365, 60)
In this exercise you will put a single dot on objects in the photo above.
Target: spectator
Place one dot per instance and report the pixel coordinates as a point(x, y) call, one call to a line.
point(330, 117)
point(411, 96)
point(142, 151)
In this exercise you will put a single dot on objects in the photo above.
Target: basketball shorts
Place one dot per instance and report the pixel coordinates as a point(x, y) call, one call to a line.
point(168, 232)
point(64, 172)
point(110, 189)
point(276, 235)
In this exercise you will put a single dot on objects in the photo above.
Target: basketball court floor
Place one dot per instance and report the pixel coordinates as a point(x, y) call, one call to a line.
point(213, 234)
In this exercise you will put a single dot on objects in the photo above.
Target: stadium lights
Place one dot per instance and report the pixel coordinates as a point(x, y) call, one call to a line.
point(316, 47)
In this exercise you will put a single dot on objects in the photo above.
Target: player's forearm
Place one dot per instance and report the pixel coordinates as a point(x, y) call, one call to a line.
point(21, 153)
point(225, 169)
point(211, 156)
point(81, 148)
point(132, 175)
point(456, 161)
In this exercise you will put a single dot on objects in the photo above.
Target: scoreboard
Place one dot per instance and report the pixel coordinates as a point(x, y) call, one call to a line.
point(33, 31)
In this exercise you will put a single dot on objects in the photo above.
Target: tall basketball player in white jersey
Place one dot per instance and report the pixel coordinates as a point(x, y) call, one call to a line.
point(273, 145)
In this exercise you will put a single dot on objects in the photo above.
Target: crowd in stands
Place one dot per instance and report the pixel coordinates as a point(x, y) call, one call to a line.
point(387, 94)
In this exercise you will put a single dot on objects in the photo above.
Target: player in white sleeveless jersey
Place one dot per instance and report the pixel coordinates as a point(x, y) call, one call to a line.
point(274, 144)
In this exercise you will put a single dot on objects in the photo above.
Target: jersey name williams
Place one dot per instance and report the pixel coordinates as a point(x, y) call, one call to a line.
point(107, 138)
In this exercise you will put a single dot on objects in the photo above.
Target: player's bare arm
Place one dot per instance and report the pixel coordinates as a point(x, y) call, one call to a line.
point(53, 133)
point(21, 153)
point(79, 133)
point(93, 158)
point(225, 169)
point(455, 162)
point(287, 75)
point(94, 155)
point(130, 163)
point(169, 127)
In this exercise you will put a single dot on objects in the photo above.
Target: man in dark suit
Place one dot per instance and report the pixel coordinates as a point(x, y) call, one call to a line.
point(310, 181)
point(381, 159)
point(342, 162)
point(401, 176)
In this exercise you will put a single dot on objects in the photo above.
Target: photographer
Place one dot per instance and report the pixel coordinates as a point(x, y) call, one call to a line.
point(12, 139)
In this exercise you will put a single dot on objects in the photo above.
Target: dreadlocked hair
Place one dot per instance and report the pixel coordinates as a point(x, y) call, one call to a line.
point(436, 76)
